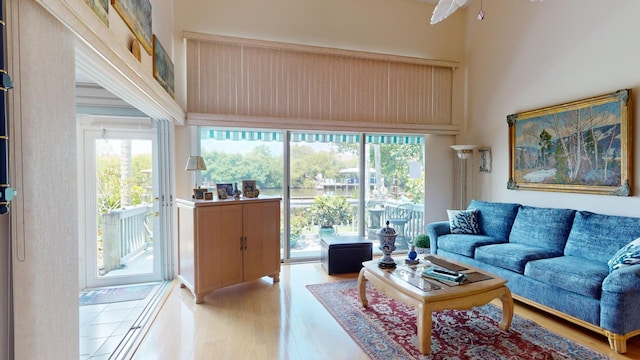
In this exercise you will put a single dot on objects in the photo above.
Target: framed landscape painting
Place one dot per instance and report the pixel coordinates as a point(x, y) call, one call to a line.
point(582, 146)
point(137, 15)
point(163, 67)
point(101, 8)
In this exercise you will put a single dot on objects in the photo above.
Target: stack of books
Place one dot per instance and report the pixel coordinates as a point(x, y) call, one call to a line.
point(443, 275)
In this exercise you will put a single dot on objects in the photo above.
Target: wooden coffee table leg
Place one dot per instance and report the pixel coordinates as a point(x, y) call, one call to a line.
point(424, 328)
point(362, 288)
point(507, 309)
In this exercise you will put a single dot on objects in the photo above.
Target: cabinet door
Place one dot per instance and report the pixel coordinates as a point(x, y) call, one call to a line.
point(219, 260)
point(262, 233)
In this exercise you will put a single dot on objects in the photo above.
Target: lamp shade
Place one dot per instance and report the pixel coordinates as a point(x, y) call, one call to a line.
point(195, 162)
point(464, 151)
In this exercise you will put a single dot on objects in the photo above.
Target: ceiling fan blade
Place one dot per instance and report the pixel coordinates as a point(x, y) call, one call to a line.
point(444, 9)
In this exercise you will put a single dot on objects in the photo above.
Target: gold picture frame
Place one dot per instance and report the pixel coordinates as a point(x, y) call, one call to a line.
point(137, 15)
point(583, 146)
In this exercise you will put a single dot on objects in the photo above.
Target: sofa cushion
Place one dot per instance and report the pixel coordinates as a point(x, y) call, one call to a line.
point(512, 256)
point(463, 221)
point(627, 256)
point(495, 219)
point(542, 227)
point(598, 237)
point(571, 273)
point(464, 244)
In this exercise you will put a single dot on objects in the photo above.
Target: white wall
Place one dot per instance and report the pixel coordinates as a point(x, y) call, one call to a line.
point(162, 23)
point(529, 55)
point(389, 26)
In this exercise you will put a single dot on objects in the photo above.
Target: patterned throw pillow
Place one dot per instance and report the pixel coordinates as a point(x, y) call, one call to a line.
point(463, 221)
point(627, 256)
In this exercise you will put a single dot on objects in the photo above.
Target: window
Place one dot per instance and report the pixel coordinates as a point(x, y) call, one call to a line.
point(329, 193)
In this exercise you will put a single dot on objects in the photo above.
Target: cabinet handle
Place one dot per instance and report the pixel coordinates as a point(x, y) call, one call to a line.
point(241, 243)
point(245, 243)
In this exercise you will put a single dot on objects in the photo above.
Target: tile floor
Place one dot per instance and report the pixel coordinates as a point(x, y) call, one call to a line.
point(106, 330)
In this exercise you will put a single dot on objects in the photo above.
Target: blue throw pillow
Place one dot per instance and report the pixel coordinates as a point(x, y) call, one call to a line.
point(628, 255)
point(464, 221)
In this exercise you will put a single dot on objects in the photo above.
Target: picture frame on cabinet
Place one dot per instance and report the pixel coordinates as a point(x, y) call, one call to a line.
point(224, 189)
point(208, 195)
point(198, 193)
point(222, 194)
point(580, 147)
point(249, 189)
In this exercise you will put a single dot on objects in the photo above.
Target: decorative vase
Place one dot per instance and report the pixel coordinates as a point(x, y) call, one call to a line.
point(236, 192)
point(387, 239)
point(326, 231)
point(412, 255)
point(423, 250)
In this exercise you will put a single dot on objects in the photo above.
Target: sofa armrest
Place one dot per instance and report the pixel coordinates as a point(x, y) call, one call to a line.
point(619, 305)
point(623, 280)
point(434, 230)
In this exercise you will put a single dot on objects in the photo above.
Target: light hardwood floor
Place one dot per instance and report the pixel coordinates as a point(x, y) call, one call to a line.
point(259, 320)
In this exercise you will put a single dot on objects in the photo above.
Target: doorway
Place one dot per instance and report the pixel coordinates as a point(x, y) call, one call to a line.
point(121, 203)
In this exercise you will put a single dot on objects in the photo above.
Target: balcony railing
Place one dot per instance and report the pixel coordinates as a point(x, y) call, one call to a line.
point(125, 233)
point(376, 215)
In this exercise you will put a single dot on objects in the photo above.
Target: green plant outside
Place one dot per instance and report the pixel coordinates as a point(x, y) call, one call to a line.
point(327, 211)
point(297, 225)
point(422, 241)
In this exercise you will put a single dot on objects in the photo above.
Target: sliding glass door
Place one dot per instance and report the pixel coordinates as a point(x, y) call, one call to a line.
point(396, 163)
point(324, 194)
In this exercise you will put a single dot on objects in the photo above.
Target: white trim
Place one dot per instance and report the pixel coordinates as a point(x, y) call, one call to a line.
point(238, 121)
point(166, 186)
point(105, 59)
point(90, 130)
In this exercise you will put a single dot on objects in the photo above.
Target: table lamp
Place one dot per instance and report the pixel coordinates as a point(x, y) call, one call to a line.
point(194, 163)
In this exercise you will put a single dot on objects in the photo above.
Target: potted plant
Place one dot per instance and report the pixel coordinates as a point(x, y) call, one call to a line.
point(422, 244)
point(328, 211)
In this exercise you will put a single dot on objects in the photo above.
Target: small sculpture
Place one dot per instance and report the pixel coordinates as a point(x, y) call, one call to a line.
point(387, 239)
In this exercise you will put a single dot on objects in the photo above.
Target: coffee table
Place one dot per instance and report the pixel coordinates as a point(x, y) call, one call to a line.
point(439, 297)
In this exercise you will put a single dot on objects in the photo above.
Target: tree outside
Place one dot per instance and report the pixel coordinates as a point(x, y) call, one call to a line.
point(112, 178)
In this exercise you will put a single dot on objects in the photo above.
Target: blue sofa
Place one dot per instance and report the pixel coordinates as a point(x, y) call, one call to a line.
point(556, 260)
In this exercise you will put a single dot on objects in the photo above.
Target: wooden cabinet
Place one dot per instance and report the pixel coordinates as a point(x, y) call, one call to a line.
point(226, 242)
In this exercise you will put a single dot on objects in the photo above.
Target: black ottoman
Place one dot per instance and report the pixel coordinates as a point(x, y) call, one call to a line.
point(344, 254)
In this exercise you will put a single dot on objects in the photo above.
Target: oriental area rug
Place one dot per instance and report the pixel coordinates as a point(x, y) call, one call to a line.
point(386, 329)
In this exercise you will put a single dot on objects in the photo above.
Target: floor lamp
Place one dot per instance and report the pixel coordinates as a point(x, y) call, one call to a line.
point(464, 152)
